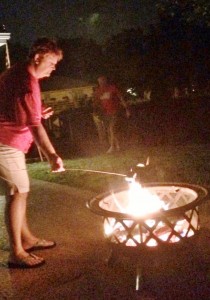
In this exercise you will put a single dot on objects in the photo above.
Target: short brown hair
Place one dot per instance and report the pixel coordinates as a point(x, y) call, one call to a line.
point(44, 45)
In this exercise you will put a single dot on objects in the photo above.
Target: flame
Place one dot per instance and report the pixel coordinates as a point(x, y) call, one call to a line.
point(139, 201)
point(142, 201)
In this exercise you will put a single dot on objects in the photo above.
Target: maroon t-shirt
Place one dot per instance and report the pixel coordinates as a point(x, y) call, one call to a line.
point(109, 98)
point(20, 107)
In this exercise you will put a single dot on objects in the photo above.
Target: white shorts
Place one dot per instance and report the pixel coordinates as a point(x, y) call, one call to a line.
point(13, 170)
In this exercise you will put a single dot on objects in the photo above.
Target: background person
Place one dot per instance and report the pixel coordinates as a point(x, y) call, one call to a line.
point(108, 100)
point(20, 125)
point(97, 113)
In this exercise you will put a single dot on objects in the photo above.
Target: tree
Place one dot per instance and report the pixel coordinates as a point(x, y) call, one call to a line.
point(192, 12)
point(83, 58)
point(123, 56)
point(186, 23)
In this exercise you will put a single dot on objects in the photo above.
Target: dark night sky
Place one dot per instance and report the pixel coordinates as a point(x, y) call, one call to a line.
point(29, 19)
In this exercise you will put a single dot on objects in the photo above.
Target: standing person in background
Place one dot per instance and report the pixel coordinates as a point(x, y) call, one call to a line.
point(109, 100)
point(98, 119)
point(20, 125)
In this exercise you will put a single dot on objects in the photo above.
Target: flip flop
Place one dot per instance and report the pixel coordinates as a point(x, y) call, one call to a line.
point(41, 245)
point(24, 263)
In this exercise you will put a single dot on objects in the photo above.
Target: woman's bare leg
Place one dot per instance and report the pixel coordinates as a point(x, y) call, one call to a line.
point(15, 211)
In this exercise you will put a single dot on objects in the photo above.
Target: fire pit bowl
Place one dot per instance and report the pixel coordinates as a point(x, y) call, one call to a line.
point(179, 221)
point(176, 221)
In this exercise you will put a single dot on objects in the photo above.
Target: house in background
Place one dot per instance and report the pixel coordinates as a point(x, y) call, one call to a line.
point(62, 93)
point(70, 100)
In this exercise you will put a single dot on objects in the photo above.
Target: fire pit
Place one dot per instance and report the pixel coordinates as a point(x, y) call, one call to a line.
point(149, 217)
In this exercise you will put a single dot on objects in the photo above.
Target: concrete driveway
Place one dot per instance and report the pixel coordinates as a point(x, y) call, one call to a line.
point(76, 268)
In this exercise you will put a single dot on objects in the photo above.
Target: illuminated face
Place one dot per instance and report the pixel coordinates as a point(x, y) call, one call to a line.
point(45, 64)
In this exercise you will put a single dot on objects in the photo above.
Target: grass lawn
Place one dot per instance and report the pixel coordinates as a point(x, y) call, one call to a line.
point(188, 163)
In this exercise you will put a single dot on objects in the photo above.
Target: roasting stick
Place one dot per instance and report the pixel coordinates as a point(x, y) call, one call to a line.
point(95, 171)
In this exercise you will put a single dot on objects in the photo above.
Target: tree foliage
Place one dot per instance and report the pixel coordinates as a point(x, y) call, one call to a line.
point(82, 58)
point(123, 55)
point(193, 12)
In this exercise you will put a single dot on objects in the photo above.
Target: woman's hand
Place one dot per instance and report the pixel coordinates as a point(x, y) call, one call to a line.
point(56, 163)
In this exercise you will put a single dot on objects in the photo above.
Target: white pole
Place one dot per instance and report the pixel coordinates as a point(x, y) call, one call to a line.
point(8, 64)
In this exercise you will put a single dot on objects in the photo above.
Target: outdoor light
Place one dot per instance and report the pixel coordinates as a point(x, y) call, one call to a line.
point(132, 92)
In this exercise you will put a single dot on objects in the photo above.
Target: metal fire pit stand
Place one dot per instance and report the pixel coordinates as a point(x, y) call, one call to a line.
point(183, 201)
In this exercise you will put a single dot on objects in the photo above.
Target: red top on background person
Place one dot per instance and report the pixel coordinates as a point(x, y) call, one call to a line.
point(108, 96)
point(107, 103)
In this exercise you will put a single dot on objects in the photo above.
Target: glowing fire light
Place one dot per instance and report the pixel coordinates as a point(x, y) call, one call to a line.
point(139, 202)
point(142, 201)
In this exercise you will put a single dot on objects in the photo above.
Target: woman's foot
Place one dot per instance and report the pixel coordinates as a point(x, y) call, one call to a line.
point(25, 261)
point(39, 244)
